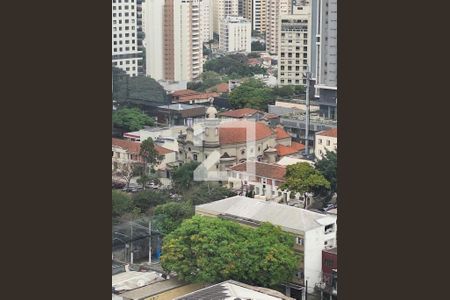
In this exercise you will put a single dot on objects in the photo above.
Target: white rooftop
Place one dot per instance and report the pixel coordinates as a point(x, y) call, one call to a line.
point(231, 290)
point(132, 280)
point(289, 218)
point(287, 160)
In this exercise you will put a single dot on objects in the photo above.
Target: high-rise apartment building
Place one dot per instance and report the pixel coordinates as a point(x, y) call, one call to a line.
point(326, 56)
point(294, 47)
point(222, 9)
point(125, 53)
point(274, 9)
point(259, 15)
point(173, 39)
point(235, 35)
point(206, 20)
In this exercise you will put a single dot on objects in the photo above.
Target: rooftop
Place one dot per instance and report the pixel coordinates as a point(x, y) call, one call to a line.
point(180, 106)
point(232, 290)
point(262, 169)
point(289, 218)
point(183, 93)
point(286, 161)
point(330, 132)
point(153, 289)
point(281, 133)
point(187, 98)
point(288, 150)
point(235, 132)
point(130, 280)
point(135, 147)
point(240, 113)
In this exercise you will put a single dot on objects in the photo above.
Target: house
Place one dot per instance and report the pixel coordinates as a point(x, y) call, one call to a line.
point(192, 97)
point(126, 152)
point(232, 290)
point(243, 113)
point(221, 88)
point(285, 145)
point(179, 113)
point(262, 178)
point(328, 285)
point(313, 231)
point(325, 141)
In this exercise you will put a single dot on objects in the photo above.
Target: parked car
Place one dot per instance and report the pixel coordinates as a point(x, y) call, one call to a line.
point(329, 206)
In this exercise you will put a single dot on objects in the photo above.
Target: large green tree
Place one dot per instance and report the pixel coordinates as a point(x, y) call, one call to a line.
point(233, 65)
point(303, 178)
point(131, 119)
point(209, 250)
point(138, 87)
point(251, 93)
point(167, 217)
point(205, 192)
point(149, 153)
point(121, 203)
point(147, 199)
point(327, 166)
point(183, 176)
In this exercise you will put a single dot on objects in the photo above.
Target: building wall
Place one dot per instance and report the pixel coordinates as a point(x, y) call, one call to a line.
point(125, 54)
point(258, 17)
point(324, 143)
point(275, 8)
point(235, 35)
point(223, 8)
point(206, 20)
point(153, 25)
point(294, 50)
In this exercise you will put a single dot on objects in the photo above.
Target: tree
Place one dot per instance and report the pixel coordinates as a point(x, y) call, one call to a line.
point(138, 87)
point(131, 119)
point(303, 178)
point(130, 170)
point(121, 203)
point(206, 192)
point(233, 65)
point(251, 93)
point(147, 199)
point(167, 217)
point(183, 176)
point(284, 91)
point(258, 46)
point(204, 249)
point(149, 154)
point(327, 166)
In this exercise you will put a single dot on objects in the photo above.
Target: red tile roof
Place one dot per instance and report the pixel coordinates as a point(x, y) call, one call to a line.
point(262, 170)
point(253, 61)
point(240, 113)
point(330, 132)
point(281, 133)
point(183, 93)
point(135, 147)
point(236, 132)
point(287, 150)
point(187, 98)
point(131, 147)
point(222, 87)
point(269, 116)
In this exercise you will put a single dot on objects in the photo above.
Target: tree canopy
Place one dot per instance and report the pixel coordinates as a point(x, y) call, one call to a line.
point(148, 152)
point(233, 65)
point(302, 178)
point(204, 249)
point(258, 46)
point(252, 93)
point(147, 199)
point(131, 119)
point(205, 192)
point(167, 217)
point(183, 176)
point(121, 203)
point(327, 166)
point(138, 87)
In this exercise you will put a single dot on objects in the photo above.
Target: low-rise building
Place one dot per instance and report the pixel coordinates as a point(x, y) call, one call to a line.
point(313, 231)
point(328, 285)
point(325, 141)
point(243, 113)
point(179, 114)
point(232, 290)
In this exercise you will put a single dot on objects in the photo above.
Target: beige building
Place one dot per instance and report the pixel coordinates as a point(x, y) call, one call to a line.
point(255, 11)
point(325, 140)
point(222, 9)
point(274, 9)
point(235, 35)
point(294, 52)
point(173, 40)
point(206, 20)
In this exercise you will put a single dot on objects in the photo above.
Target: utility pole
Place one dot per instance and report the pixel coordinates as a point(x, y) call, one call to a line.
point(307, 114)
point(149, 241)
point(131, 243)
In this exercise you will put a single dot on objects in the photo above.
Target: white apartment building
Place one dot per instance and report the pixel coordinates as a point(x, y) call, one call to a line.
point(274, 9)
point(259, 15)
point(313, 231)
point(294, 47)
point(206, 20)
point(222, 9)
point(235, 35)
point(326, 45)
point(125, 53)
point(325, 141)
point(173, 39)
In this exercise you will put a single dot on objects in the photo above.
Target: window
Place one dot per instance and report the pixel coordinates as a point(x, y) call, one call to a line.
point(195, 156)
point(329, 228)
point(300, 240)
point(118, 155)
point(328, 142)
point(243, 151)
point(113, 153)
point(320, 141)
